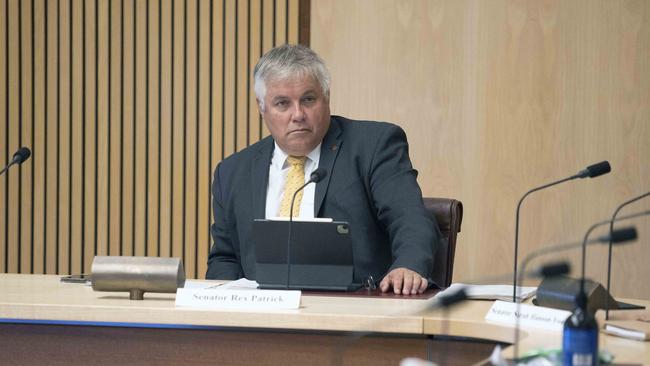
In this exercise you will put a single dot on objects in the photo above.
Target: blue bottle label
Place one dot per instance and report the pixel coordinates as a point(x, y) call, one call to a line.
point(580, 347)
point(582, 359)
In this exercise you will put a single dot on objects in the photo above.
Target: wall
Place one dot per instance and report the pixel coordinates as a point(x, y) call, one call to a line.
point(128, 105)
point(498, 97)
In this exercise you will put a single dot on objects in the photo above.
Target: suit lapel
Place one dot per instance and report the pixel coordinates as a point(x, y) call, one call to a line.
point(260, 177)
point(328, 152)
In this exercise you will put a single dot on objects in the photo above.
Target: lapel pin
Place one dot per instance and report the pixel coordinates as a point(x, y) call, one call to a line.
point(334, 147)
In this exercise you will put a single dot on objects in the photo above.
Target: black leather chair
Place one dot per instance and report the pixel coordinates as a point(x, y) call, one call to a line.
point(449, 215)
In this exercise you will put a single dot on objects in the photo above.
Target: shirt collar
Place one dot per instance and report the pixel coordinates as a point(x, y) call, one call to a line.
point(280, 157)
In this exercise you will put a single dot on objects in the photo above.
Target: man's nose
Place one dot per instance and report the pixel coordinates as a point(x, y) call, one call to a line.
point(298, 113)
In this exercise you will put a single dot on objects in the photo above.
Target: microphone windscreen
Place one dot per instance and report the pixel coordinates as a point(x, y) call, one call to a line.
point(21, 155)
point(555, 269)
point(599, 169)
point(622, 235)
point(318, 175)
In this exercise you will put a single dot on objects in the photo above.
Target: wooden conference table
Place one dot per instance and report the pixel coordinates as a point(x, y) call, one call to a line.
point(44, 321)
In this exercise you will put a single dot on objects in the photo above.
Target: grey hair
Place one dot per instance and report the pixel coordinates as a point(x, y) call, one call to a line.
point(288, 61)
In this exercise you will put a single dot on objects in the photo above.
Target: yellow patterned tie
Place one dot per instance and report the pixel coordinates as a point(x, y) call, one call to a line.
point(295, 179)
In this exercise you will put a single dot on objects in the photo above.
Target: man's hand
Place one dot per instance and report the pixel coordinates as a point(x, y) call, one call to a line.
point(404, 281)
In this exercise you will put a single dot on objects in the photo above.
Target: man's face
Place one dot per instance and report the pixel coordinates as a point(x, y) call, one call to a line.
point(296, 113)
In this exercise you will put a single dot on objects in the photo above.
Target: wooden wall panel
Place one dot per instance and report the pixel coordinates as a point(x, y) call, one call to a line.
point(498, 97)
point(128, 106)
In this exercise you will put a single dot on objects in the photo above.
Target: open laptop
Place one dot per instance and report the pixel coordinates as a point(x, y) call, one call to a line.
point(321, 255)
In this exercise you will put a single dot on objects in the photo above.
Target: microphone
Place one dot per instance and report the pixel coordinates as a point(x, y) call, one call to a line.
point(580, 332)
point(315, 177)
point(445, 302)
point(617, 237)
point(554, 269)
point(441, 301)
point(591, 171)
point(546, 270)
point(609, 252)
point(449, 298)
point(19, 157)
point(563, 293)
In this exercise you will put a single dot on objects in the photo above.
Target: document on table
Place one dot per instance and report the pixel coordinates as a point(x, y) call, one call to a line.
point(240, 284)
point(491, 292)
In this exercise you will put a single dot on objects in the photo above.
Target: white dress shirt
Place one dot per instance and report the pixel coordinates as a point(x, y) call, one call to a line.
point(278, 170)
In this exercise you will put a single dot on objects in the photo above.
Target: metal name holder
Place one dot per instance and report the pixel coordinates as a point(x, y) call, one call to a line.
point(137, 275)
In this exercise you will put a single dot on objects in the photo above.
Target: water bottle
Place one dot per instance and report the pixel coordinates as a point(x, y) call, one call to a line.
point(580, 336)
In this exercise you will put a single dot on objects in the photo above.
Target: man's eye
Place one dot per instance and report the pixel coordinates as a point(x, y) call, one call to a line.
point(309, 99)
point(281, 103)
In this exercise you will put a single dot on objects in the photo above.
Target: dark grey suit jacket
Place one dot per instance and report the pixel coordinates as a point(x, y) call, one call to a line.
point(370, 183)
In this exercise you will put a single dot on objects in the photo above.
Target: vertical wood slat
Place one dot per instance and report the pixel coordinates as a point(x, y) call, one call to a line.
point(140, 124)
point(89, 142)
point(176, 224)
point(228, 91)
point(241, 97)
point(39, 107)
point(292, 21)
point(153, 162)
point(26, 134)
point(254, 48)
point(50, 182)
point(103, 133)
point(280, 21)
point(63, 139)
point(268, 34)
point(77, 136)
point(128, 106)
point(127, 143)
point(217, 50)
point(113, 77)
point(203, 169)
point(4, 137)
point(190, 130)
point(13, 95)
point(164, 221)
point(15, 124)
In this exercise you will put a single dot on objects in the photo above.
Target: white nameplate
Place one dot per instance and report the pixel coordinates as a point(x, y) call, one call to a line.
point(237, 299)
point(529, 316)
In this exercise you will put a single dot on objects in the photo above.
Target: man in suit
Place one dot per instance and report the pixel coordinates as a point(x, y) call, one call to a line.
point(370, 182)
